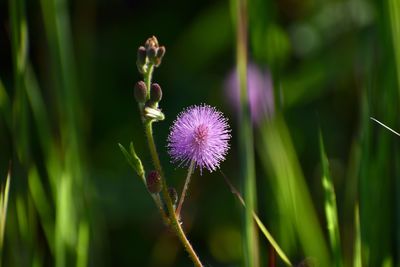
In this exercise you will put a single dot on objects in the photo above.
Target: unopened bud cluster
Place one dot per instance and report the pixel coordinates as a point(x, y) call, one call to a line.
point(149, 56)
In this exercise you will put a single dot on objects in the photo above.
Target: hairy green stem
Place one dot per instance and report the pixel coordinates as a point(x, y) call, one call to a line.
point(185, 188)
point(147, 79)
point(175, 224)
point(159, 204)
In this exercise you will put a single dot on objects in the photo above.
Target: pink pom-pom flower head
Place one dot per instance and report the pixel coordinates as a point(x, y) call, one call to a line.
point(200, 135)
point(260, 93)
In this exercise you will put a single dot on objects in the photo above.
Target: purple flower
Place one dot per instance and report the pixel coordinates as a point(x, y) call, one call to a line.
point(260, 92)
point(199, 134)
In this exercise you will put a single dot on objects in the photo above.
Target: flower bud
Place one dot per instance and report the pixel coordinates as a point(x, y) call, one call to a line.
point(141, 58)
point(173, 195)
point(151, 42)
point(153, 181)
point(151, 53)
point(155, 92)
point(161, 52)
point(140, 92)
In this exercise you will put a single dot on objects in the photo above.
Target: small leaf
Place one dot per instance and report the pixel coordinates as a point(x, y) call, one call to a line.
point(128, 157)
point(133, 160)
point(137, 162)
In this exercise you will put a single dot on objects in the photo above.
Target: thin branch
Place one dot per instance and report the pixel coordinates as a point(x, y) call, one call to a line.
point(185, 188)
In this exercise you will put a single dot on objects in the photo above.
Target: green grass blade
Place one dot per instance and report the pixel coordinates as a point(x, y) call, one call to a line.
point(83, 245)
point(43, 128)
point(394, 14)
point(71, 178)
point(4, 195)
point(22, 218)
point(19, 47)
point(357, 257)
point(42, 205)
point(40, 116)
point(57, 27)
point(5, 105)
point(65, 233)
point(295, 205)
point(330, 206)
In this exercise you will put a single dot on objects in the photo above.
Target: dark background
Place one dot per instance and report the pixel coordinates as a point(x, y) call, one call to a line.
point(333, 65)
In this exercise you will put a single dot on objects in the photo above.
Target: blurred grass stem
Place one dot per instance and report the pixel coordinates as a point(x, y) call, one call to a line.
point(246, 138)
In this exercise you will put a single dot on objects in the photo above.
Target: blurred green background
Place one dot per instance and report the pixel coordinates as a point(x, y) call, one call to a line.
point(67, 71)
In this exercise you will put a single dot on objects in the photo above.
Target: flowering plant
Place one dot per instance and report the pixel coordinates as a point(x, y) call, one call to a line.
point(198, 139)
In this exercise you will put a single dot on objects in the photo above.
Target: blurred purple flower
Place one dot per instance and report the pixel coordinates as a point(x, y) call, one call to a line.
point(199, 134)
point(260, 92)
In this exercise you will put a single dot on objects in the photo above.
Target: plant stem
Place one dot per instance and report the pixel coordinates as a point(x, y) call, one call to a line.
point(147, 79)
point(158, 202)
point(175, 224)
point(185, 187)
